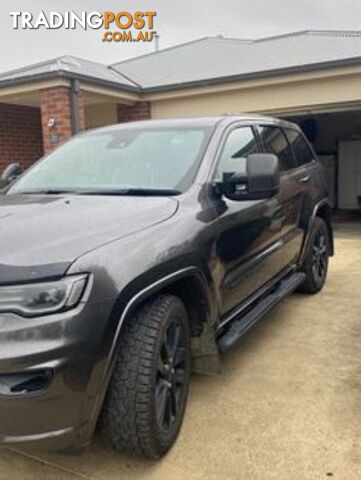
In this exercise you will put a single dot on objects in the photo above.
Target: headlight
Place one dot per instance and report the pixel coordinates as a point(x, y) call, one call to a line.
point(42, 298)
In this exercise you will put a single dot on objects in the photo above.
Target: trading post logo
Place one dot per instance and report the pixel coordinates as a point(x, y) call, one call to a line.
point(120, 26)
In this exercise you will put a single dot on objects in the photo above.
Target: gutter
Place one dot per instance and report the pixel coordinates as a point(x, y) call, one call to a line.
point(182, 85)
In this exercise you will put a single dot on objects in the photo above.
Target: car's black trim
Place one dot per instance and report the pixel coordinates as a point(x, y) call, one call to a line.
point(132, 304)
point(243, 306)
point(14, 274)
point(243, 323)
point(316, 209)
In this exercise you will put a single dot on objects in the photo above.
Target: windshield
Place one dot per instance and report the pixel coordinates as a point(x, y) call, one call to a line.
point(120, 161)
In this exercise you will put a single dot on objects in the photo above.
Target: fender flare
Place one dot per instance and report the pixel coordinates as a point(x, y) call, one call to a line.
point(130, 307)
point(322, 204)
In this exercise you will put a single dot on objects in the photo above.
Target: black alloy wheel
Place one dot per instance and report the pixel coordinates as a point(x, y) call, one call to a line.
point(171, 376)
point(319, 256)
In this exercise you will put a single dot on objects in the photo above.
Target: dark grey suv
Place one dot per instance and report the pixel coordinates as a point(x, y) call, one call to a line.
point(135, 252)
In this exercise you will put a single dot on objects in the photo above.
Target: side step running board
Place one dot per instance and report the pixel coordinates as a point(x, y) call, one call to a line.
point(239, 326)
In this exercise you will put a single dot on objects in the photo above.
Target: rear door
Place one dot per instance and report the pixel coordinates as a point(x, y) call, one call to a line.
point(306, 181)
point(294, 181)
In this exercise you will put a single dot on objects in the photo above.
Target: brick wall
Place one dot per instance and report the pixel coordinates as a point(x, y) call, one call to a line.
point(25, 134)
point(130, 113)
point(20, 135)
point(55, 103)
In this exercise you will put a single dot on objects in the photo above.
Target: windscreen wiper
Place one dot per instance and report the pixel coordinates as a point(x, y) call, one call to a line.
point(49, 191)
point(134, 192)
point(125, 192)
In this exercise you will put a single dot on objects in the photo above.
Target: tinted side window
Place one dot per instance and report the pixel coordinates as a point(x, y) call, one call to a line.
point(275, 142)
point(240, 143)
point(300, 148)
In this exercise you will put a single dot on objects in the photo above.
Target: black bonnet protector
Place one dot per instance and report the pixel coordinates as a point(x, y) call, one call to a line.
point(10, 274)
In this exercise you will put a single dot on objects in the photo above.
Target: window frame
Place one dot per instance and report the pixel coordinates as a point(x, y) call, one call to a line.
point(279, 127)
point(309, 146)
point(222, 143)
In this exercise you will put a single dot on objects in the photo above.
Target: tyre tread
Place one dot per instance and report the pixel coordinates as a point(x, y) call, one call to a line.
point(126, 417)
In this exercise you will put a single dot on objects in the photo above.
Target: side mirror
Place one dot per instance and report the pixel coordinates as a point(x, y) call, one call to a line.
point(11, 173)
point(260, 181)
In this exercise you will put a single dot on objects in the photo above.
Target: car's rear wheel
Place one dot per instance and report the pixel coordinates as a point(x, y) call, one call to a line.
point(317, 257)
point(145, 404)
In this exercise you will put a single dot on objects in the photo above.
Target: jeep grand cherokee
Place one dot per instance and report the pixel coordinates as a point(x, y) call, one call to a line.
point(136, 251)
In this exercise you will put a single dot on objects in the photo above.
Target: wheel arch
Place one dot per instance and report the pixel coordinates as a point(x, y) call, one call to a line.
point(186, 281)
point(322, 210)
point(189, 284)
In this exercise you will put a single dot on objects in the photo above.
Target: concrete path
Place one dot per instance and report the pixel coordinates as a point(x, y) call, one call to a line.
point(287, 404)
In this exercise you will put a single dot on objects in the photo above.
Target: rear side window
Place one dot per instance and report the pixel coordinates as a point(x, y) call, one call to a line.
point(240, 143)
point(274, 141)
point(301, 150)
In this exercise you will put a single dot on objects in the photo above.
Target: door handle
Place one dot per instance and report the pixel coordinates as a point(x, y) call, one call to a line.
point(305, 179)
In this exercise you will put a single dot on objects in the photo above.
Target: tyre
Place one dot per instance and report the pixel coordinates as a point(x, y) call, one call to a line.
point(147, 395)
point(317, 256)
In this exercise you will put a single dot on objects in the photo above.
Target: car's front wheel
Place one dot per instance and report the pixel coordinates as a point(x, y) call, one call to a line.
point(146, 400)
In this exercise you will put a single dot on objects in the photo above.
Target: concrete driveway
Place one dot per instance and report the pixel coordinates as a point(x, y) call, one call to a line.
point(287, 404)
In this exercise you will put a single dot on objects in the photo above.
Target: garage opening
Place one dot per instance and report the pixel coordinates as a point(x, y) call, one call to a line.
point(336, 137)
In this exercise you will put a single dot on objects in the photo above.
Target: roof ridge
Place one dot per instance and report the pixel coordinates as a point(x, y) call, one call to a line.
point(32, 65)
point(310, 32)
point(83, 60)
point(178, 45)
point(355, 33)
point(235, 39)
point(129, 79)
point(294, 33)
point(105, 66)
point(54, 60)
